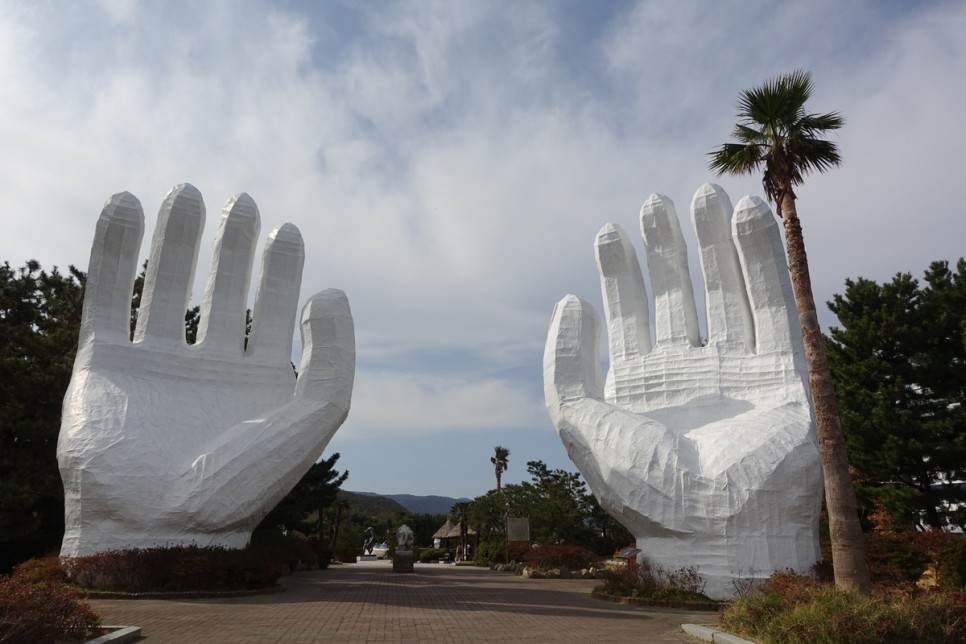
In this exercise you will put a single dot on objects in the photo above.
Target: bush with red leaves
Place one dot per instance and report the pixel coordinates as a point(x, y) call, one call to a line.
point(43, 612)
point(550, 557)
point(175, 569)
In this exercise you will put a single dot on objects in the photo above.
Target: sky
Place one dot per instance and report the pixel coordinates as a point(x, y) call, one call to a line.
point(450, 162)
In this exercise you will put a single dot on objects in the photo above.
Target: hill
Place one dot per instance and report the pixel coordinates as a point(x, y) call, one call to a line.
point(425, 504)
point(413, 504)
point(380, 507)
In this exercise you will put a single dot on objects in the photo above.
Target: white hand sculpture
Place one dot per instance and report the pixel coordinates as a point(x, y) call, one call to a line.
point(163, 443)
point(707, 454)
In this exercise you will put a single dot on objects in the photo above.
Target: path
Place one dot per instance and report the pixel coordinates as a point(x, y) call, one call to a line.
point(367, 602)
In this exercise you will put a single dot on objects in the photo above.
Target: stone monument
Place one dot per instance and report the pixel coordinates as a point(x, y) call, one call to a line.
point(704, 450)
point(163, 443)
point(402, 560)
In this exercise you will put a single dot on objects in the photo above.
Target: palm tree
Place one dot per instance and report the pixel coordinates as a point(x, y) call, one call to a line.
point(774, 131)
point(500, 459)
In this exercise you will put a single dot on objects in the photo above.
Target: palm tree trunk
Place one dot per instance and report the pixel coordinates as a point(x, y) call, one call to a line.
point(848, 543)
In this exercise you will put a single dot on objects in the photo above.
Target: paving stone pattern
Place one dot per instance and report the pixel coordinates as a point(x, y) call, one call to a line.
point(367, 602)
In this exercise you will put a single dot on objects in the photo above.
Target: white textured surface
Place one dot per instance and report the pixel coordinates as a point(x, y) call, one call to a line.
point(165, 443)
point(707, 454)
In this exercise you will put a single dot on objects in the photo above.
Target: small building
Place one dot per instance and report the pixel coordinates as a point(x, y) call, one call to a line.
point(448, 536)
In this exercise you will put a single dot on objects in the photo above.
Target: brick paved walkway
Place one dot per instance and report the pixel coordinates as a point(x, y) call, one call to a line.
point(367, 602)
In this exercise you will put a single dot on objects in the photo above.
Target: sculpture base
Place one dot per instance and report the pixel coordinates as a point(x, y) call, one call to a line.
point(402, 562)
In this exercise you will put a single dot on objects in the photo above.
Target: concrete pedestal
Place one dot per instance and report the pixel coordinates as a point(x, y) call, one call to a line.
point(402, 562)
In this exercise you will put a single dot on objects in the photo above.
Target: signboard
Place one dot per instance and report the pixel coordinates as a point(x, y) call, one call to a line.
point(517, 529)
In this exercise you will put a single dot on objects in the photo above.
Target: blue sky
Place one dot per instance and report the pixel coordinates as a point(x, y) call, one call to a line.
point(449, 163)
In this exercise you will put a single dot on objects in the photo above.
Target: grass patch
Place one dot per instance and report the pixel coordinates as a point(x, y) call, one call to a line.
point(796, 608)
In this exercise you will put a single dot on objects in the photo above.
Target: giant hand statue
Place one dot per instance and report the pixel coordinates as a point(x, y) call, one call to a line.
point(164, 443)
point(705, 451)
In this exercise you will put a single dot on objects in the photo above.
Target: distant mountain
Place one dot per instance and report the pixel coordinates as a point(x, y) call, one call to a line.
point(426, 504)
point(374, 505)
point(419, 504)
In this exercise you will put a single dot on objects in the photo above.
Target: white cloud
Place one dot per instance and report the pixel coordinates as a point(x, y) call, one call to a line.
point(119, 12)
point(416, 403)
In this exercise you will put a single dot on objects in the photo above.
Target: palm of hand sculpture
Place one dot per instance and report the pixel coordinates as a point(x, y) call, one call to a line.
point(164, 443)
point(706, 453)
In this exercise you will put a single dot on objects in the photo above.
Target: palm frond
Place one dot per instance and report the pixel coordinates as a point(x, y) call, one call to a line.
point(735, 158)
point(813, 124)
point(776, 132)
point(776, 103)
point(750, 135)
point(816, 155)
point(797, 87)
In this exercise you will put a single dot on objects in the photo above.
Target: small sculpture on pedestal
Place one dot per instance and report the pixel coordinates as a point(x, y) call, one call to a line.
point(369, 542)
point(402, 561)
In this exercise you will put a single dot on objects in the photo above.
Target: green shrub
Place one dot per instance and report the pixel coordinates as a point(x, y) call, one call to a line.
point(348, 545)
point(175, 569)
point(793, 608)
point(489, 552)
point(951, 564)
point(323, 554)
point(649, 581)
point(495, 552)
point(894, 558)
point(292, 549)
point(435, 554)
point(43, 612)
point(932, 542)
point(550, 557)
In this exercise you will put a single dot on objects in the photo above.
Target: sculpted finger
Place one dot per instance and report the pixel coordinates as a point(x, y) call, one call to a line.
point(625, 297)
point(328, 365)
point(729, 314)
point(758, 240)
point(222, 325)
point(675, 317)
point(110, 274)
point(571, 359)
point(277, 298)
point(171, 266)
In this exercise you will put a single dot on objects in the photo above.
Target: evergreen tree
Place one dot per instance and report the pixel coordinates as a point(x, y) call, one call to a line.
point(304, 507)
point(559, 507)
point(39, 320)
point(899, 363)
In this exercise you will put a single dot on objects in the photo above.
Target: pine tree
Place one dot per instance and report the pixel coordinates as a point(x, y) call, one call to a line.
point(899, 364)
point(39, 322)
